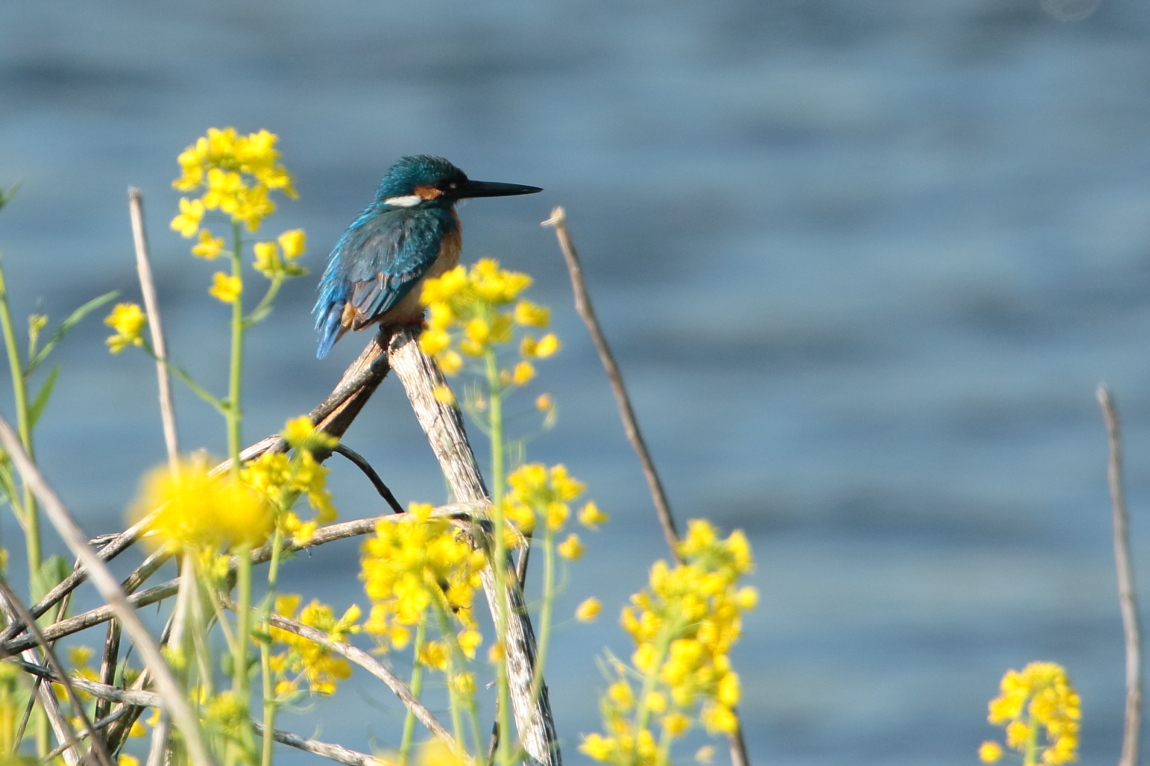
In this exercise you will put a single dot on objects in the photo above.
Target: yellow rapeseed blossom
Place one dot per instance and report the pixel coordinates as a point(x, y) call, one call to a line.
point(415, 563)
point(591, 517)
point(187, 223)
point(588, 610)
point(535, 490)
point(293, 243)
point(436, 753)
point(990, 752)
point(128, 320)
point(236, 174)
point(683, 626)
point(278, 259)
point(1039, 700)
point(300, 433)
point(225, 288)
point(473, 312)
point(209, 247)
point(197, 510)
point(571, 548)
point(282, 478)
point(304, 659)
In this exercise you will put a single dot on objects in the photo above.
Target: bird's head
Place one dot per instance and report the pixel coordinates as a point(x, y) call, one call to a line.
point(423, 181)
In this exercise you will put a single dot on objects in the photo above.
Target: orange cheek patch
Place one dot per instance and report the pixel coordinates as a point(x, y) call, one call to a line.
point(427, 192)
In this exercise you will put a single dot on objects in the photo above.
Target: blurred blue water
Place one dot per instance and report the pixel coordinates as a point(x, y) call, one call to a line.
point(863, 264)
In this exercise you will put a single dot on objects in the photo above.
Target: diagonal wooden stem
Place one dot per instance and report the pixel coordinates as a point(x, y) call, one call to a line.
point(444, 428)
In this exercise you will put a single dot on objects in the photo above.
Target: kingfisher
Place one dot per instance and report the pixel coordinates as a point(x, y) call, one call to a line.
point(409, 233)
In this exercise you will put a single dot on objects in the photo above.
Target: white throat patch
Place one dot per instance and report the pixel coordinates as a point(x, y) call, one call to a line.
point(410, 200)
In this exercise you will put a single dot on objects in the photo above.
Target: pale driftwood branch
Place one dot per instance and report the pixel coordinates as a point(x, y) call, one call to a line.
point(373, 666)
point(117, 545)
point(444, 428)
point(155, 326)
point(332, 752)
point(558, 221)
point(112, 594)
point(1127, 597)
point(65, 733)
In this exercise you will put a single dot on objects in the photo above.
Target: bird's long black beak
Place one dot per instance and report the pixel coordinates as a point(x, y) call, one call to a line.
point(470, 189)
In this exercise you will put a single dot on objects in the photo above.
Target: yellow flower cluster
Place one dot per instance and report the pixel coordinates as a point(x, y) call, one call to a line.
point(538, 492)
point(683, 626)
point(1039, 699)
point(282, 478)
point(415, 564)
point(303, 659)
point(128, 320)
point(236, 173)
point(199, 511)
point(279, 258)
point(472, 312)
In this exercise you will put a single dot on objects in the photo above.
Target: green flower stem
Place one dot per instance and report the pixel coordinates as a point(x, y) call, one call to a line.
point(235, 410)
point(240, 680)
point(499, 565)
point(28, 513)
point(264, 306)
point(1030, 756)
point(458, 663)
point(416, 689)
point(271, 707)
point(269, 703)
point(219, 405)
point(545, 610)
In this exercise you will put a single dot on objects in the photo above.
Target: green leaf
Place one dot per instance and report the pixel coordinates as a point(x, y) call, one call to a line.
point(6, 196)
point(70, 322)
point(43, 395)
point(51, 573)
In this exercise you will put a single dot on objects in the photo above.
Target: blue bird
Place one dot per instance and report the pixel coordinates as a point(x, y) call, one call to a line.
point(409, 233)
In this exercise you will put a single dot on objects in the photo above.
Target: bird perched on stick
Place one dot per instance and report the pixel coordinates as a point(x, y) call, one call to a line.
point(409, 233)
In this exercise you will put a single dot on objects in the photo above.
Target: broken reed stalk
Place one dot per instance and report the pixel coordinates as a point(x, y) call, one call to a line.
point(1127, 598)
point(73, 754)
point(176, 705)
point(155, 326)
point(558, 221)
point(443, 426)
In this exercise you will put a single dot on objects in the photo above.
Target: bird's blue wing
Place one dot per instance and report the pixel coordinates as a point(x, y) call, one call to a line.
point(374, 265)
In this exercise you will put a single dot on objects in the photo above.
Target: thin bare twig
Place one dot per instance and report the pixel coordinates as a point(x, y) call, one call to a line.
point(152, 306)
point(12, 602)
point(112, 594)
point(558, 221)
point(1127, 598)
point(371, 665)
point(335, 753)
point(365, 467)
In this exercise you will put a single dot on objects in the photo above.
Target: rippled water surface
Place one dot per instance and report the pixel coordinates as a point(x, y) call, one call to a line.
point(863, 264)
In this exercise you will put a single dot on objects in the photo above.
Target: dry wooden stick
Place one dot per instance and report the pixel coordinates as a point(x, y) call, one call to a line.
point(151, 699)
point(558, 221)
point(336, 753)
point(1127, 598)
point(373, 666)
point(112, 594)
point(73, 754)
point(444, 428)
point(152, 306)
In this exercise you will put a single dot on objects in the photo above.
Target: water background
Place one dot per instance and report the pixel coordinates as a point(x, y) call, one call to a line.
point(863, 264)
